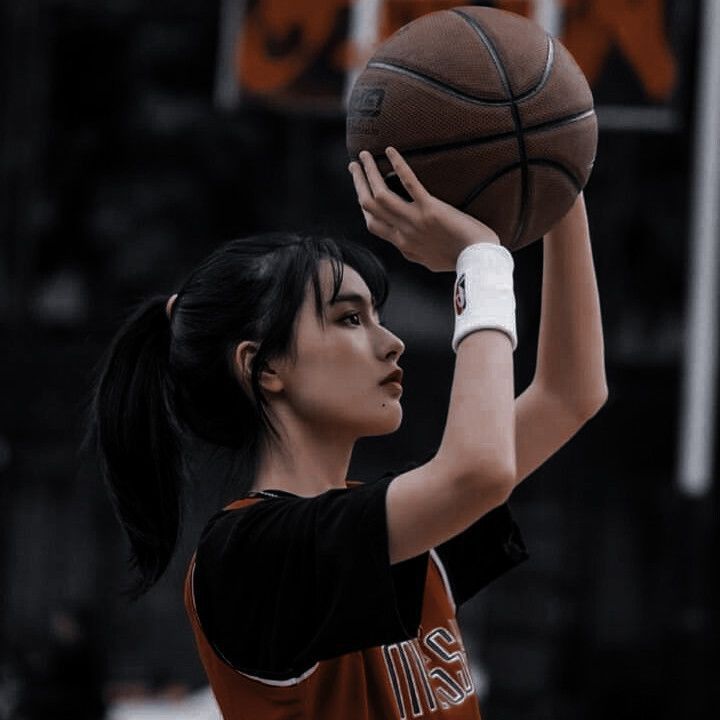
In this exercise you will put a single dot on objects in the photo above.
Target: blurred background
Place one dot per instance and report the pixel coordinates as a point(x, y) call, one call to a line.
point(136, 136)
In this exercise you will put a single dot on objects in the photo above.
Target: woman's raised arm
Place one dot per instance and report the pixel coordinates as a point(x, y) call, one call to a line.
point(474, 468)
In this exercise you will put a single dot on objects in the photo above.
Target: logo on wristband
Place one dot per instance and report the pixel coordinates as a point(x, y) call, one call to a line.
point(460, 297)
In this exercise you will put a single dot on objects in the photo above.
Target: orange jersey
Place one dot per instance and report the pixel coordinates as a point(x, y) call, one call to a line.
point(298, 616)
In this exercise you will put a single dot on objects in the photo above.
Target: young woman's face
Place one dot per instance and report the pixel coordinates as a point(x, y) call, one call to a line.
point(335, 382)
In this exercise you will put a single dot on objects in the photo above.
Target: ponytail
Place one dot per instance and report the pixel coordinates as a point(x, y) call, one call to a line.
point(132, 424)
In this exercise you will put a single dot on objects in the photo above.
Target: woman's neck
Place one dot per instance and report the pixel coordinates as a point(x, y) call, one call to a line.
point(308, 464)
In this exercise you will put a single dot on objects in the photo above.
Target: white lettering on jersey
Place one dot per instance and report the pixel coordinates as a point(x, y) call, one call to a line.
point(425, 681)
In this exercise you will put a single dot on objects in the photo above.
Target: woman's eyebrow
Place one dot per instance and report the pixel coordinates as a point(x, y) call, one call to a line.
point(351, 297)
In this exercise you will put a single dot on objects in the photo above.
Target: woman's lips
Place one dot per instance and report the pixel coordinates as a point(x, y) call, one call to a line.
point(393, 385)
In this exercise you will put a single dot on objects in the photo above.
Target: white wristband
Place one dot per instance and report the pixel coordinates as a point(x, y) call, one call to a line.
point(483, 296)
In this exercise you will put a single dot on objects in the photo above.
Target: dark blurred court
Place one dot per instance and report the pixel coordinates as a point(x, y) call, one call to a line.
point(129, 149)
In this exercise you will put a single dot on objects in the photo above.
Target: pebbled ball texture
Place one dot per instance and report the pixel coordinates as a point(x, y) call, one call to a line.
point(493, 115)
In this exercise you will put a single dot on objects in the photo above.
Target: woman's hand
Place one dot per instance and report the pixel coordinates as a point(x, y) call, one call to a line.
point(427, 231)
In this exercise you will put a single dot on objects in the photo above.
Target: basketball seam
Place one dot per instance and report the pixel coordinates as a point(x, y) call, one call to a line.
point(456, 92)
point(456, 145)
point(509, 168)
point(549, 64)
point(524, 184)
point(449, 89)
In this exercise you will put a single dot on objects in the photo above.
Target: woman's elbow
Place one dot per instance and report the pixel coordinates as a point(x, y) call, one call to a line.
point(593, 404)
point(498, 479)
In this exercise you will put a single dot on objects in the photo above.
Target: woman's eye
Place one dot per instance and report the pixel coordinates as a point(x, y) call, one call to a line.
point(354, 315)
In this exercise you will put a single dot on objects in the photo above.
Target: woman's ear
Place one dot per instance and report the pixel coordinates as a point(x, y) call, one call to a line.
point(244, 356)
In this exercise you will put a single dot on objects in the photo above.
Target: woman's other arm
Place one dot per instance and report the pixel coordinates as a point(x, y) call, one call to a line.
point(569, 384)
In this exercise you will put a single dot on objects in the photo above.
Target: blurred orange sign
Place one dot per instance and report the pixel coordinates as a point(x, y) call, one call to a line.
point(302, 47)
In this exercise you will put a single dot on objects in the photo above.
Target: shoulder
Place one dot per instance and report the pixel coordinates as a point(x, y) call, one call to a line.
point(248, 521)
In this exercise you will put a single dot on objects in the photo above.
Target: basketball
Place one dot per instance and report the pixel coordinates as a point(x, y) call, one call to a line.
point(492, 113)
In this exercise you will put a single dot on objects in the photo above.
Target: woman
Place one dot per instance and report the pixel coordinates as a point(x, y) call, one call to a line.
point(313, 596)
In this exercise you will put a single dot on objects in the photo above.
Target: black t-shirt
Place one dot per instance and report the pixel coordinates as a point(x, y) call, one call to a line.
point(288, 581)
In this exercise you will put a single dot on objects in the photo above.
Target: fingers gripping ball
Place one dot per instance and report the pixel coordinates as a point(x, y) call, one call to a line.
point(492, 114)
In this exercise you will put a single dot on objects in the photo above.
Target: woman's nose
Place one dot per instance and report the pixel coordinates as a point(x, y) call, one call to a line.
point(397, 346)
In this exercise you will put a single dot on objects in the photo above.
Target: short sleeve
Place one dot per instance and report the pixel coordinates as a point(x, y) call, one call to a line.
point(484, 551)
point(288, 581)
point(487, 549)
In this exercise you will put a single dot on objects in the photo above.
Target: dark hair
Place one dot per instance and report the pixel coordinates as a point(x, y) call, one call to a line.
point(162, 382)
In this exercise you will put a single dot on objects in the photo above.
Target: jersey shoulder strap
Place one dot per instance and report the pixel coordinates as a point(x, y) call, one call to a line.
point(243, 502)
